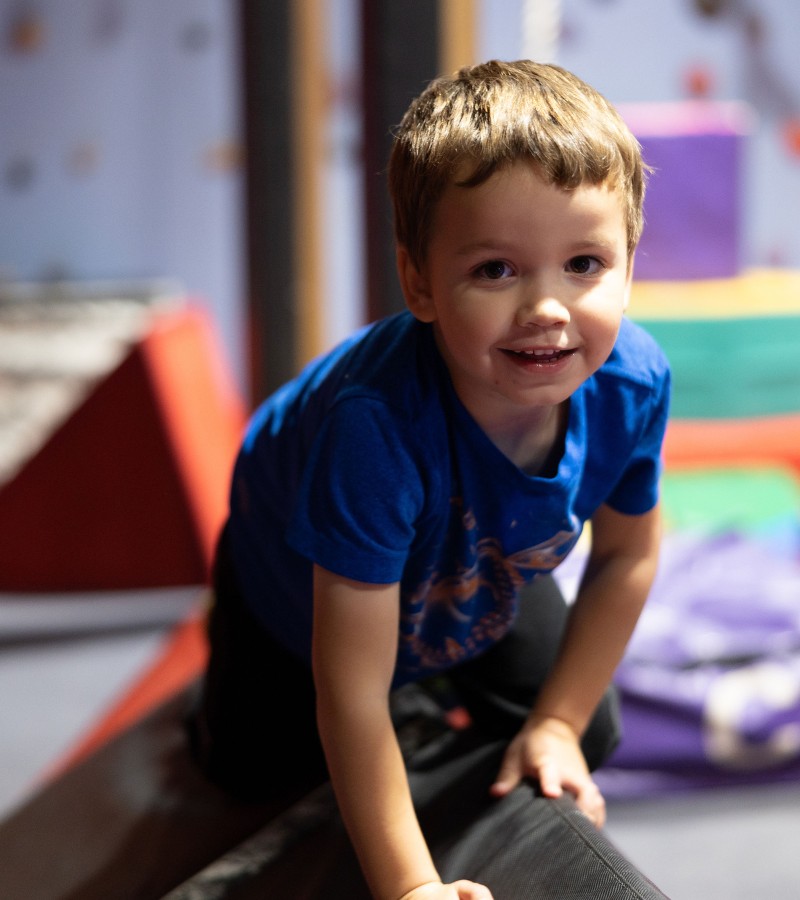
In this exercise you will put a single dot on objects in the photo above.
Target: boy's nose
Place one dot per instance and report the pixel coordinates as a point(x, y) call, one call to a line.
point(542, 309)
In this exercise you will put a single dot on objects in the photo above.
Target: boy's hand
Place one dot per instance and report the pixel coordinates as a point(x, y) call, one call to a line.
point(548, 750)
point(458, 890)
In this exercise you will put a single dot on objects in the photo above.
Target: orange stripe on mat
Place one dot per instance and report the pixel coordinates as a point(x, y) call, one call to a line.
point(769, 439)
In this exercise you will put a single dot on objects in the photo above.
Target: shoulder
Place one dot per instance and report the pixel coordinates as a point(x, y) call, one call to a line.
point(363, 359)
point(393, 359)
point(637, 357)
point(384, 363)
point(627, 407)
point(634, 384)
point(389, 389)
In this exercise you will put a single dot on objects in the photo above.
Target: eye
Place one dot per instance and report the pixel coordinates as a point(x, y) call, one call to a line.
point(584, 265)
point(494, 270)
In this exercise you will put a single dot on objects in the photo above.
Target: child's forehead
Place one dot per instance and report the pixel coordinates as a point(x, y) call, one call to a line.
point(518, 200)
point(518, 170)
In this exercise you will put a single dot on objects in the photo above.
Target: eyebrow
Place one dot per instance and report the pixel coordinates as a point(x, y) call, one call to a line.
point(499, 247)
point(481, 247)
point(609, 246)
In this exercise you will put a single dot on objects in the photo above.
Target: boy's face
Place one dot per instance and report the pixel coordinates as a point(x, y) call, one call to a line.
point(526, 285)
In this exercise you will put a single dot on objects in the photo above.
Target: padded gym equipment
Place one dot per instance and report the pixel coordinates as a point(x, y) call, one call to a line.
point(130, 491)
point(732, 343)
point(693, 212)
point(136, 820)
point(524, 847)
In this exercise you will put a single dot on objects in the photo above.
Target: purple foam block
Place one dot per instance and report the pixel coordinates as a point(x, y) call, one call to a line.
point(693, 207)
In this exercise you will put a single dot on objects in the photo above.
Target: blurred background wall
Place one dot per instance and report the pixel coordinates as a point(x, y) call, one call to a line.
point(121, 138)
point(119, 146)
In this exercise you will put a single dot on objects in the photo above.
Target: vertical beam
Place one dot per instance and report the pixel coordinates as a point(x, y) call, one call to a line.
point(284, 102)
point(269, 210)
point(400, 55)
point(457, 44)
point(405, 45)
point(309, 109)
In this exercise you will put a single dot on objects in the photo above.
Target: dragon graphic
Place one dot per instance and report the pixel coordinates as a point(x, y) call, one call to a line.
point(476, 602)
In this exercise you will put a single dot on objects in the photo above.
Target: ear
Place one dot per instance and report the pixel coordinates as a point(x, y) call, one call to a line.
point(416, 289)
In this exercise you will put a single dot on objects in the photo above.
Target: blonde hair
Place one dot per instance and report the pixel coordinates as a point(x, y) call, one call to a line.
point(490, 115)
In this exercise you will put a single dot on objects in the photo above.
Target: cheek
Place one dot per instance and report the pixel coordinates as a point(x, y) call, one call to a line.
point(602, 327)
point(607, 309)
point(471, 322)
point(607, 331)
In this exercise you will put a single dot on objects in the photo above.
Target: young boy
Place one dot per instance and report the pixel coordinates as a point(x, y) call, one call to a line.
point(396, 510)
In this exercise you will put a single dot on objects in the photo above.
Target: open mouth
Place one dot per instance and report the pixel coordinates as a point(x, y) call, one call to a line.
point(539, 357)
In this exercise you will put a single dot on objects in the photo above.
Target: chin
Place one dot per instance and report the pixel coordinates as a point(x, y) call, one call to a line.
point(542, 398)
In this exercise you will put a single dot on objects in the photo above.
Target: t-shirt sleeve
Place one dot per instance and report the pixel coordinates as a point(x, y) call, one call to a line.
point(637, 492)
point(361, 494)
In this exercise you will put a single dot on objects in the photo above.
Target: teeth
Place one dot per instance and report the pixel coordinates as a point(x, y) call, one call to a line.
point(537, 353)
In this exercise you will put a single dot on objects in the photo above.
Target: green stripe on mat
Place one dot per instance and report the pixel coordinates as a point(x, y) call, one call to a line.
point(730, 499)
point(731, 368)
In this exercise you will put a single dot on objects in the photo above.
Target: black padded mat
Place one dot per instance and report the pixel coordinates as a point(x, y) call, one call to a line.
point(524, 846)
point(137, 821)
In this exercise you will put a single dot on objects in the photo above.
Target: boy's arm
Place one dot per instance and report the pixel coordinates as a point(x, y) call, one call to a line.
point(614, 588)
point(354, 654)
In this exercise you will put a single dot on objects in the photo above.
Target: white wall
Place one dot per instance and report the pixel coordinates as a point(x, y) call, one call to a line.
point(118, 132)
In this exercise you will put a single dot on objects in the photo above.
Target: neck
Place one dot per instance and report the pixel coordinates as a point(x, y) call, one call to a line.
point(534, 442)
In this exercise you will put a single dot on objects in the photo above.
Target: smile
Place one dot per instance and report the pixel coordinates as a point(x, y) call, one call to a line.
point(540, 357)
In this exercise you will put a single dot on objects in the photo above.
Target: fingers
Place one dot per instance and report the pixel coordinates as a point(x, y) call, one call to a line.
point(553, 783)
point(513, 770)
point(591, 803)
point(508, 778)
point(550, 780)
point(469, 890)
point(435, 890)
point(554, 758)
point(587, 795)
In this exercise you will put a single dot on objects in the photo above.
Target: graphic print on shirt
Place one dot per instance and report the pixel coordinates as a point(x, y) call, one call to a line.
point(452, 615)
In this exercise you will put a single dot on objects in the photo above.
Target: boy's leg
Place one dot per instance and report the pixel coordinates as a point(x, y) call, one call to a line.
point(254, 732)
point(500, 687)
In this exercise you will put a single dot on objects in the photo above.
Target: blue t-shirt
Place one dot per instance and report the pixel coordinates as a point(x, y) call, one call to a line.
point(368, 465)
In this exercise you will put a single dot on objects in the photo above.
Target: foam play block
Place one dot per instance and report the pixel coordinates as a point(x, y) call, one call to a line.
point(732, 343)
point(710, 687)
point(137, 821)
point(693, 207)
point(754, 293)
point(755, 441)
point(130, 491)
point(130, 822)
point(179, 663)
point(756, 499)
point(727, 368)
point(525, 847)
